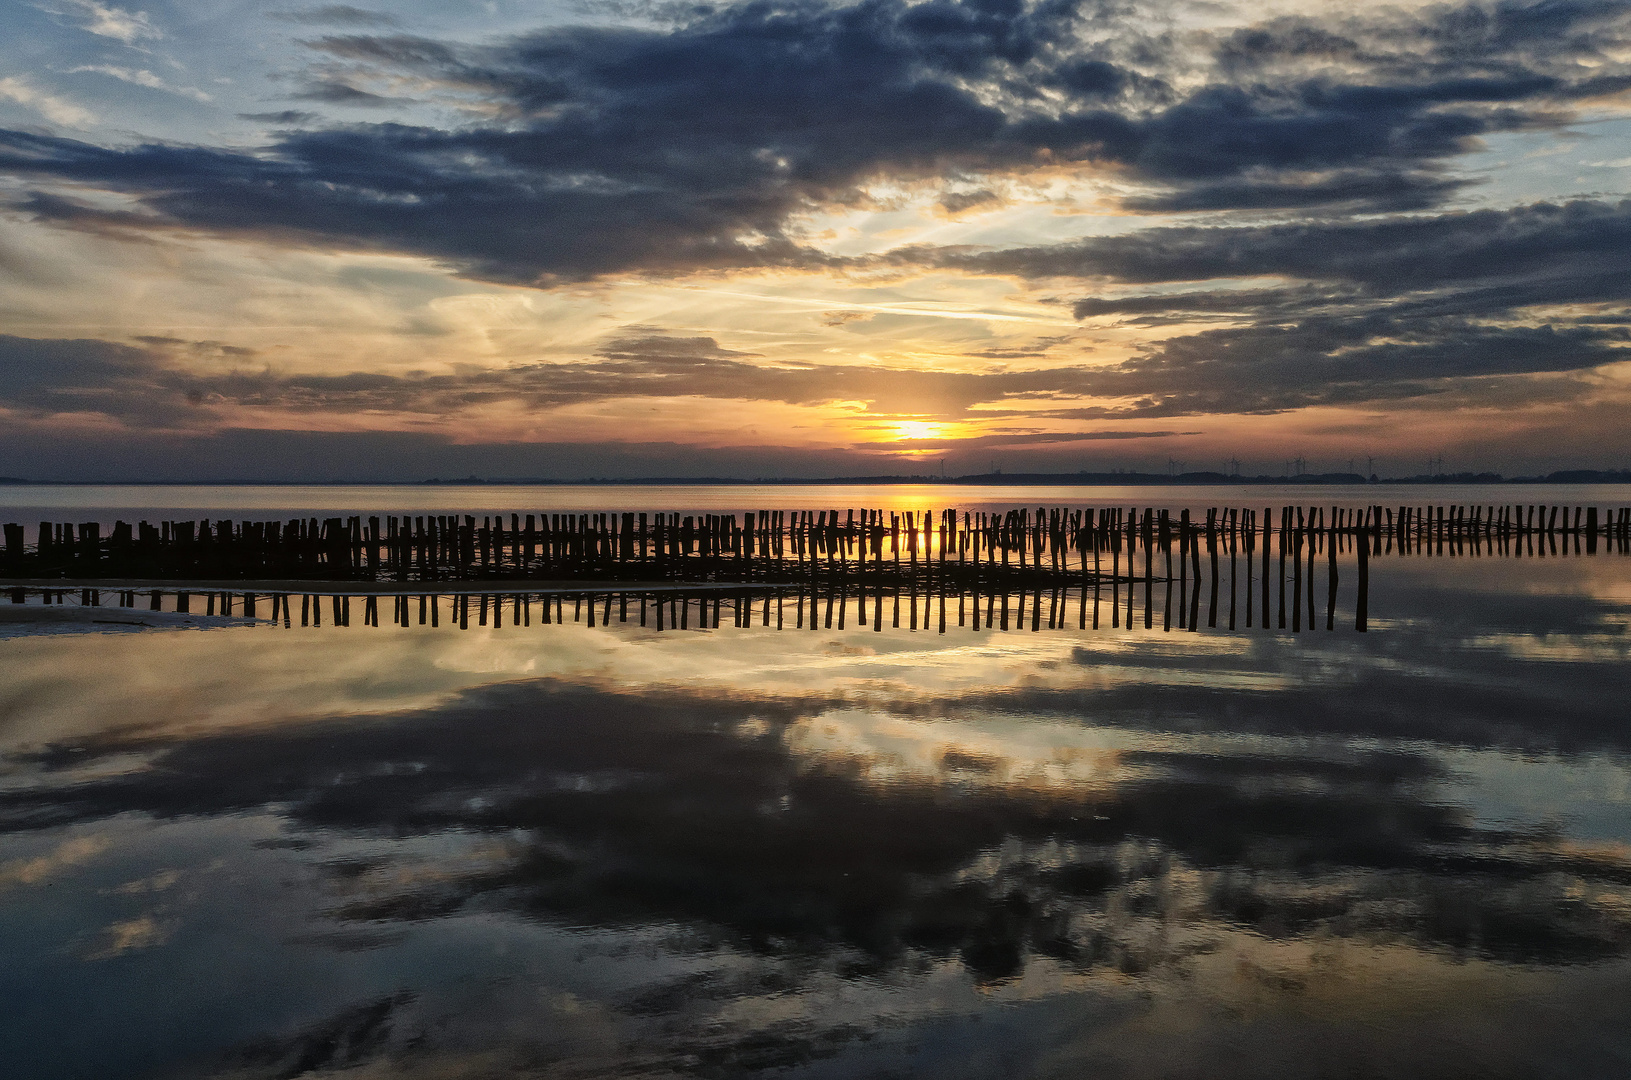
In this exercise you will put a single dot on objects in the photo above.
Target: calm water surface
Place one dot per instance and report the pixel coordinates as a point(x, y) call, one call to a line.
point(583, 851)
point(108, 502)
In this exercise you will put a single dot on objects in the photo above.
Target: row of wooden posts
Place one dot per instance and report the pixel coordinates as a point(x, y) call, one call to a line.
point(1058, 546)
point(1108, 600)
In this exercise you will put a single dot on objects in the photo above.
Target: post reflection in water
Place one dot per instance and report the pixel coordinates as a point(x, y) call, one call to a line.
point(898, 842)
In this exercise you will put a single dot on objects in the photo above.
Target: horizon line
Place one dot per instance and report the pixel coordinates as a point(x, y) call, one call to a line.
point(998, 478)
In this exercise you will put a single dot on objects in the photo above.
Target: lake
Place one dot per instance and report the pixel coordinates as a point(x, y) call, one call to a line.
point(593, 848)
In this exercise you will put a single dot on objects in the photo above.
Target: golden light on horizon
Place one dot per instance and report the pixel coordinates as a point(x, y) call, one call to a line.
point(918, 429)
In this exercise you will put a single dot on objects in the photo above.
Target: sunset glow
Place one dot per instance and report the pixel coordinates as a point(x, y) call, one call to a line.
point(1058, 238)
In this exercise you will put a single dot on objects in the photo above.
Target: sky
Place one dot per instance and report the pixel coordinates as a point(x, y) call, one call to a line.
point(267, 241)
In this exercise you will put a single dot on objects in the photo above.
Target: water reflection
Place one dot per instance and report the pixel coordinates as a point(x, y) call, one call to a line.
point(608, 851)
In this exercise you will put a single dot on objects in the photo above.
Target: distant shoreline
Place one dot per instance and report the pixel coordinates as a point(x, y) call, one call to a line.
point(1121, 479)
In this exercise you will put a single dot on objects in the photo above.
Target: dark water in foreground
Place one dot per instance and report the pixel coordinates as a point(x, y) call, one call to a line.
point(571, 851)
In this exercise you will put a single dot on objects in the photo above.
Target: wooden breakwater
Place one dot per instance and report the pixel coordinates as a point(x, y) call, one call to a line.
point(1108, 568)
point(811, 605)
point(1057, 546)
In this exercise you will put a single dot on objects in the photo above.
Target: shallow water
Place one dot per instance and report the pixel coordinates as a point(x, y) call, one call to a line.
point(107, 503)
point(601, 850)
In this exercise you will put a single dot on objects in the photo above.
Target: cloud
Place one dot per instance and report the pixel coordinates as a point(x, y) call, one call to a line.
point(281, 116)
point(706, 144)
point(166, 381)
point(1377, 310)
point(112, 22)
point(1335, 359)
point(334, 92)
point(336, 15)
point(1315, 153)
point(986, 442)
point(141, 78)
point(1353, 361)
point(55, 109)
point(1355, 189)
point(1575, 245)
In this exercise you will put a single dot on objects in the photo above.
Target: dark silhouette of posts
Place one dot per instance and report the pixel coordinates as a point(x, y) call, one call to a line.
point(1297, 574)
point(1362, 603)
point(1331, 543)
point(1285, 527)
point(1185, 539)
point(1149, 568)
point(1212, 557)
point(1268, 524)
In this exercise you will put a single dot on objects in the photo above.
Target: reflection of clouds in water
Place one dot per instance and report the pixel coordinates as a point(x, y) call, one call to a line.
point(828, 851)
point(1610, 646)
point(40, 868)
point(796, 825)
point(127, 935)
point(983, 751)
point(183, 681)
point(1605, 578)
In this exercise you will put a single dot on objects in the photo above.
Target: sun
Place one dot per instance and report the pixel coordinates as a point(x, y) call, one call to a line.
point(916, 429)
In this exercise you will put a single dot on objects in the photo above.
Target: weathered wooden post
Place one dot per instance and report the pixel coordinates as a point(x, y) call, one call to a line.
point(1212, 557)
point(1297, 572)
point(14, 550)
point(1331, 576)
point(1362, 603)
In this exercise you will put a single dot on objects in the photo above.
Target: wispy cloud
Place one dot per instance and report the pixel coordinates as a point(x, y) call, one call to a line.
point(55, 109)
point(112, 22)
point(924, 309)
point(141, 78)
point(336, 15)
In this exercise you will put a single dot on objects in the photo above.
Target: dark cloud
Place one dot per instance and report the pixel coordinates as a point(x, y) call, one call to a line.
point(1324, 361)
point(282, 116)
point(1562, 251)
point(67, 376)
point(333, 92)
point(701, 144)
point(1375, 311)
point(984, 442)
point(957, 202)
point(1363, 190)
point(1183, 305)
point(336, 15)
point(1269, 367)
point(47, 376)
point(256, 455)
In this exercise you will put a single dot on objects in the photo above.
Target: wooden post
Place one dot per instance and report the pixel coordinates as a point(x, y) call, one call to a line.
point(1331, 575)
point(1362, 603)
point(1285, 528)
point(1165, 533)
point(1093, 533)
point(1248, 528)
point(1212, 557)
